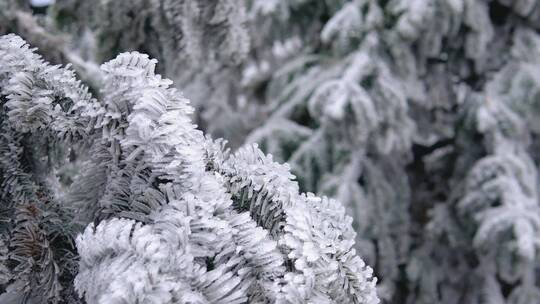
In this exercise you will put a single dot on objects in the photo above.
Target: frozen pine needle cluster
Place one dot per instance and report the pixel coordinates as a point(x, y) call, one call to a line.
point(116, 197)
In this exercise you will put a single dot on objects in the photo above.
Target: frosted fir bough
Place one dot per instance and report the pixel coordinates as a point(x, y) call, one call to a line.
point(171, 216)
point(199, 43)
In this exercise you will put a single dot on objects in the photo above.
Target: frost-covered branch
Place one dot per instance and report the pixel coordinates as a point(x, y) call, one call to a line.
point(171, 216)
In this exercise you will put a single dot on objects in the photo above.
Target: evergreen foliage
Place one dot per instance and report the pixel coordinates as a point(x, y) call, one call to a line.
point(171, 216)
point(420, 116)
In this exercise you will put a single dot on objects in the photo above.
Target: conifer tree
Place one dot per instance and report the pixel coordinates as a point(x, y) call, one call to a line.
point(420, 116)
